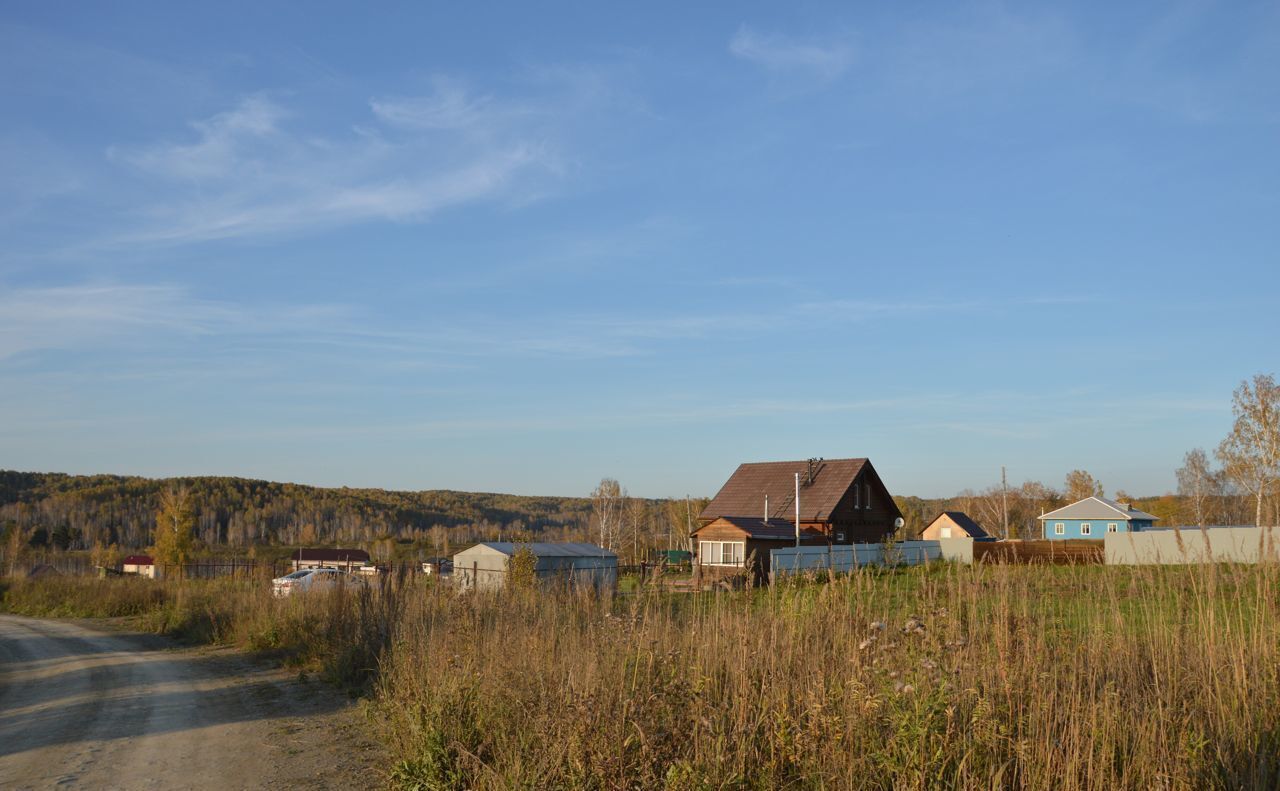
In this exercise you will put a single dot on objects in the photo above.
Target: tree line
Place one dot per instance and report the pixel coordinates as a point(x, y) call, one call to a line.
point(95, 512)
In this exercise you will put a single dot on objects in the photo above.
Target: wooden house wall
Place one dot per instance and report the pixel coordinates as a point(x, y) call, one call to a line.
point(756, 552)
point(934, 531)
point(860, 524)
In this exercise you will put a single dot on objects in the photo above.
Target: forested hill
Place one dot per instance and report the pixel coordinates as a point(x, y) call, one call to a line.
point(78, 511)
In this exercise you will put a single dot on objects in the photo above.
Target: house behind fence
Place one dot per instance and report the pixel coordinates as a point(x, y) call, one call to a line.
point(487, 566)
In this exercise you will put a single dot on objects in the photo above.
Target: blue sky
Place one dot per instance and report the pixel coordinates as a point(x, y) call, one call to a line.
point(522, 247)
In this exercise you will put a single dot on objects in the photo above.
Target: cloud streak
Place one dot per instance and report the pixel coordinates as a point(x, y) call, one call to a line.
point(85, 316)
point(254, 169)
point(780, 54)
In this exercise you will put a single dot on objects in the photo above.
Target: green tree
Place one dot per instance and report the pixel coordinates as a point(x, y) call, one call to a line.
point(522, 569)
point(1081, 484)
point(175, 524)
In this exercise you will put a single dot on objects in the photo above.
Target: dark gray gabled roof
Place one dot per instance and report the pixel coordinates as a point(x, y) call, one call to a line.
point(549, 549)
point(1099, 508)
point(321, 555)
point(962, 520)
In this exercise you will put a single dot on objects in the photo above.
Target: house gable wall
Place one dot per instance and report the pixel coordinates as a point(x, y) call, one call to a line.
point(1073, 529)
point(854, 519)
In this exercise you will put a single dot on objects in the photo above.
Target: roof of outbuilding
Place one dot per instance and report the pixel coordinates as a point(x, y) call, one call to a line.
point(759, 529)
point(548, 549)
point(1098, 508)
point(964, 522)
point(744, 493)
point(138, 560)
point(330, 555)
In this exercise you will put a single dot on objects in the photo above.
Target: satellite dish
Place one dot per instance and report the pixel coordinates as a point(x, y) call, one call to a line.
point(899, 522)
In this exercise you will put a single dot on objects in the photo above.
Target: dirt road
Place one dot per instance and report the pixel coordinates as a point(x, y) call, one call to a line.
point(82, 708)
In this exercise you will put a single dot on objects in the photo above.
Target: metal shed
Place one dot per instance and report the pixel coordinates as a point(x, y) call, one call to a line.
point(485, 566)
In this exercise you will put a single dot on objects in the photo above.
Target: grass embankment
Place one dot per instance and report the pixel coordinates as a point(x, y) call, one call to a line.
point(950, 676)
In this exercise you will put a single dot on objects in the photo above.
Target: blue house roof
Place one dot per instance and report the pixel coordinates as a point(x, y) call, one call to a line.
point(1101, 509)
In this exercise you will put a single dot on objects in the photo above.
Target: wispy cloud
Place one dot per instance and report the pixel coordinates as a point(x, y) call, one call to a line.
point(90, 315)
point(255, 169)
point(450, 106)
point(782, 54)
point(225, 144)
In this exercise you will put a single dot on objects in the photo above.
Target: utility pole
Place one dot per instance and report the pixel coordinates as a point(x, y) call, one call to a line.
point(1004, 500)
point(688, 524)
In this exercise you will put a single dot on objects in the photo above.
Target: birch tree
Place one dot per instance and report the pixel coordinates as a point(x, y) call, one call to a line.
point(606, 509)
point(1250, 454)
point(175, 522)
point(1199, 484)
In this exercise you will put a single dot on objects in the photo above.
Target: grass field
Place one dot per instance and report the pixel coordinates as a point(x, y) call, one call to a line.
point(946, 676)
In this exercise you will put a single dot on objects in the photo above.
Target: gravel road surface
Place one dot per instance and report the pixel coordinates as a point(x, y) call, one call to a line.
point(83, 708)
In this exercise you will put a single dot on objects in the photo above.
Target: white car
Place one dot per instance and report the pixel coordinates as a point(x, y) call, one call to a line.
point(305, 580)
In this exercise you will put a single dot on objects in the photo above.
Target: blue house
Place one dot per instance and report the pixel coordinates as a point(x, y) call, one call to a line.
point(1094, 517)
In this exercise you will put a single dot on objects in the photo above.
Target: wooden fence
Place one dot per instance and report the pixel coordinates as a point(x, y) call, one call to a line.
point(1055, 552)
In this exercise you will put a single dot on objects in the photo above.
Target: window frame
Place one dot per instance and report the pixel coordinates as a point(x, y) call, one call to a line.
point(735, 550)
point(1059, 528)
point(1113, 527)
point(1086, 528)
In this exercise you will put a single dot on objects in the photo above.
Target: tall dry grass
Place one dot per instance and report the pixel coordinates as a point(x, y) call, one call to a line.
point(939, 677)
point(951, 677)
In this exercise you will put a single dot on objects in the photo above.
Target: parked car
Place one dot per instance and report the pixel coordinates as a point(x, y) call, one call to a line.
point(307, 580)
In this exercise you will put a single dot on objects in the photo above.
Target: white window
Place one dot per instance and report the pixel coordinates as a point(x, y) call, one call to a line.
point(1086, 529)
point(946, 532)
point(839, 536)
point(722, 553)
point(866, 497)
point(1059, 529)
point(857, 496)
point(1111, 527)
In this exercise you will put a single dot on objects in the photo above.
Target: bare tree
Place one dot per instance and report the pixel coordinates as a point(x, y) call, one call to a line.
point(989, 508)
point(1080, 484)
point(1250, 454)
point(1200, 485)
point(606, 509)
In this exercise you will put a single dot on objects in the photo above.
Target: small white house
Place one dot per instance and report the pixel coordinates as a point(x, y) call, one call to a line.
point(486, 566)
point(142, 565)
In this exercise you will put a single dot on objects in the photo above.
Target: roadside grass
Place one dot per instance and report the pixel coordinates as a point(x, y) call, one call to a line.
point(339, 634)
point(944, 676)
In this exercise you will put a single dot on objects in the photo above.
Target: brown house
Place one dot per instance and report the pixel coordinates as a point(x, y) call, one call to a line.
point(954, 524)
point(842, 499)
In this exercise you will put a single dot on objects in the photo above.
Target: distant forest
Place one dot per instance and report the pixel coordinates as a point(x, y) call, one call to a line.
point(55, 511)
point(78, 512)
